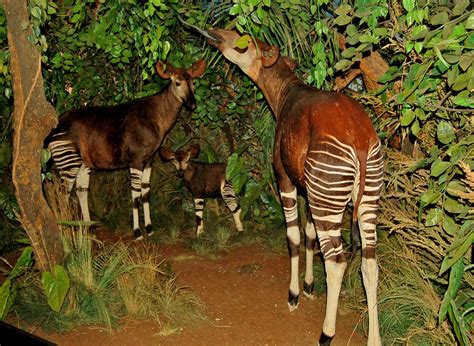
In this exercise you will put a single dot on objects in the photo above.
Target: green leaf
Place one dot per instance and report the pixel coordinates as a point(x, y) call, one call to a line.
point(242, 42)
point(5, 298)
point(55, 287)
point(343, 9)
point(455, 277)
point(23, 263)
point(342, 20)
point(453, 206)
point(407, 116)
point(343, 64)
point(430, 196)
point(439, 18)
point(235, 10)
point(460, 6)
point(434, 217)
point(438, 167)
point(445, 132)
point(464, 99)
point(449, 225)
point(409, 5)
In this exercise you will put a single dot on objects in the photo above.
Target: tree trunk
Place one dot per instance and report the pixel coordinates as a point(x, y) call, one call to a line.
point(33, 119)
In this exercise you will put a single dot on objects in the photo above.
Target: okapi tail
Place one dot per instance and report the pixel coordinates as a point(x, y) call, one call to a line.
point(355, 232)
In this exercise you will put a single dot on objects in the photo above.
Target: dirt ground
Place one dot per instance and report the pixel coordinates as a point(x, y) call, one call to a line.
point(245, 293)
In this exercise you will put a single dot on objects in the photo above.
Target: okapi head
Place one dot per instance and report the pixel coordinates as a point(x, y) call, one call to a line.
point(251, 59)
point(182, 80)
point(180, 158)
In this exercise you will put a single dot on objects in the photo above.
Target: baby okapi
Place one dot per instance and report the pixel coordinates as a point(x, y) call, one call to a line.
point(203, 180)
point(325, 144)
point(121, 136)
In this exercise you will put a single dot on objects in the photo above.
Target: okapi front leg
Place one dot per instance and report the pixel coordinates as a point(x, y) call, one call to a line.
point(145, 195)
point(136, 181)
point(310, 242)
point(82, 189)
point(288, 200)
point(199, 211)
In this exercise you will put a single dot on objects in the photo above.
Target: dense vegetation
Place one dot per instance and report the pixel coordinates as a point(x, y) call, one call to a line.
point(104, 52)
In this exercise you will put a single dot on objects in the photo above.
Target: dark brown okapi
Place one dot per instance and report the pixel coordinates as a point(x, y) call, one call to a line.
point(325, 144)
point(203, 180)
point(122, 136)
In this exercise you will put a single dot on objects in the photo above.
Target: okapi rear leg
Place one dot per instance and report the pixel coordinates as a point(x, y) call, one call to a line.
point(367, 215)
point(310, 242)
point(335, 262)
point(82, 189)
point(289, 203)
point(145, 195)
point(198, 212)
point(228, 194)
point(136, 182)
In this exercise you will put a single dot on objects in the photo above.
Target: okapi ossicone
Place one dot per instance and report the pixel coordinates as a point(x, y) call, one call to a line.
point(122, 136)
point(326, 145)
point(203, 180)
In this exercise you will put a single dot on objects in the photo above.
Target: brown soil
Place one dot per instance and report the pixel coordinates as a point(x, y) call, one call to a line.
point(245, 294)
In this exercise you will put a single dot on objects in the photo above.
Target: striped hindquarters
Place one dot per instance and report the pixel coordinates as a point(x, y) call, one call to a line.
point(331, 173)
point(66, 157)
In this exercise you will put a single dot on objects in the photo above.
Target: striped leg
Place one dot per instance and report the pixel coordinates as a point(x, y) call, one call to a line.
point(228, 194)
point(198, 211)
point(82, 189)
point(310, 242)
point(367, 225)
point(288, 201)
point(330, 173)
point(145, 194)
point(136, 182)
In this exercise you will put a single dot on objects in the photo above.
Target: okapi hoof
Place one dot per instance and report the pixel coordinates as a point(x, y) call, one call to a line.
point(292, 301)
point(325, 340)
point(308, 290)
point(149, 230)
point(138, 235)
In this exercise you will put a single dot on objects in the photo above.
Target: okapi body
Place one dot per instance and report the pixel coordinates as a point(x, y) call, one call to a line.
point(203, 180)
point(122, 136)
point(326, 145)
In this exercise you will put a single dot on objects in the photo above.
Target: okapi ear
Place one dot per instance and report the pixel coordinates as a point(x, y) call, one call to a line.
point(161, 71)
point(194, 151)
point(166, 154)
point(270, 55)
point(197, 69)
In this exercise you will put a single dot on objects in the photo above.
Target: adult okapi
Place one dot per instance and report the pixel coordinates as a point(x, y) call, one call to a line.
point(325, 144)
point(122, 136)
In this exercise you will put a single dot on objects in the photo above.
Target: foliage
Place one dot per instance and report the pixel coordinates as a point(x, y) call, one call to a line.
point(8, 290)
point(103, 52)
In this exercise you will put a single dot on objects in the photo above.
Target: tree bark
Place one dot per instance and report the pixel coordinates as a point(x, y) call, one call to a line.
point(33, 119)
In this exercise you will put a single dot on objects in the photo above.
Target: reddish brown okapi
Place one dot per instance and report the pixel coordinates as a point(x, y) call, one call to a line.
point(122, 136)
point(203, 180)
point(326, 145)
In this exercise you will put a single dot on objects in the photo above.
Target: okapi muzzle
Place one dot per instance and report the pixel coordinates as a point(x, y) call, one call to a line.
point(325, 145)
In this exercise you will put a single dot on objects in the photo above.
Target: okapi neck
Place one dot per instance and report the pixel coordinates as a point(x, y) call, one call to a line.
point(166, 107)
point(276, 83)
